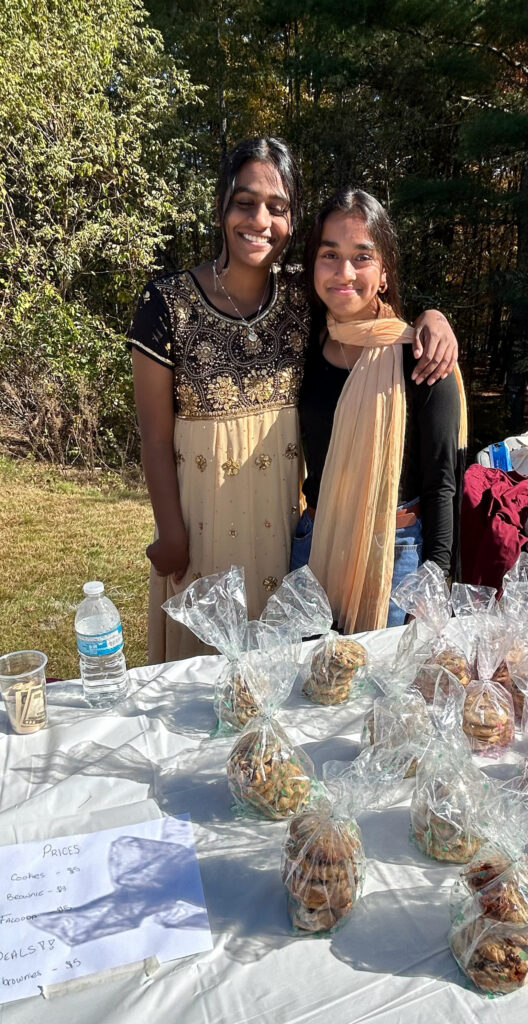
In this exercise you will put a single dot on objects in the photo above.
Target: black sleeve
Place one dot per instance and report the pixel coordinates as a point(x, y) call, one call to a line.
point(436, 422)
point(150, 331)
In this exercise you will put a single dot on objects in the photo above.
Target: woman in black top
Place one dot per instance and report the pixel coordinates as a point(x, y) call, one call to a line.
point(351, 273)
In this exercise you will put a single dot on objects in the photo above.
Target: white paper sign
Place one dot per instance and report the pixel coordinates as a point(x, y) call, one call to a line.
point(73, 905)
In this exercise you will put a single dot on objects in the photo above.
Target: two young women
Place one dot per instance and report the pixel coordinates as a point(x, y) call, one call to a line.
point(218, 358)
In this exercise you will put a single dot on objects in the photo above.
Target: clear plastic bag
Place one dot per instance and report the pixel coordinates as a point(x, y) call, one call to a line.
point(489, 931)
point(448, 803)
point(518, 572)
point(214, 608)
point(493, 954)
point(517, 682)
point(238, 692)
point(336, 670)
point(489, 900)
point(323, 868)
point(399, 717)
point(424, 595)
point(336, 662)
point(489, 717)
point(448, 806)
point(323, 860)
point(299, 606)
point(267, 774)
point(258, 652)
point(512, 672)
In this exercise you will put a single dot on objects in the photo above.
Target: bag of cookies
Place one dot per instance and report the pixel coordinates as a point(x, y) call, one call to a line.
point(450, 793)
point(335, 670)
point(512, 671)
point(323, 868)
point(449, 802)
point(267, 774)
point(424, 594)
point(516, 681)
point(215, 609)
point(242, 688)
point(489, 930)
point(323, 861)
point(492, 627)
point(399, 717)
point(489, 717)
point(336, 662)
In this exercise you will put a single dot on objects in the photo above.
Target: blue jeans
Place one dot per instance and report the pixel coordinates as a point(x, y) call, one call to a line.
point(407, 555)
point(407, 558)
point(301, 542)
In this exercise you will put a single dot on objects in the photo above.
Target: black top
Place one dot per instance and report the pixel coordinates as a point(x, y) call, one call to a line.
point(430, 457)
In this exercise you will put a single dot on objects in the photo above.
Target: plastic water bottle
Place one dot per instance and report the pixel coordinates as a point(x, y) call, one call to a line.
point(100, 645)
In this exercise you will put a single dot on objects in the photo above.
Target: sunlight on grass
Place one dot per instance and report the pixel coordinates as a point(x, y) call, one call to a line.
point(57, 531)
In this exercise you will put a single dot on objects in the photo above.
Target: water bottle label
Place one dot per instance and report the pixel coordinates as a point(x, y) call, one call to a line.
point(105, 643)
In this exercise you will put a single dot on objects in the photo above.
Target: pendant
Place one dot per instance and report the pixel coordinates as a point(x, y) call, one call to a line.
point(251, 335)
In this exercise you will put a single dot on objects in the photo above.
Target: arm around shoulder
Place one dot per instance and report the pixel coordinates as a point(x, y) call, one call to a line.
point(437, 419)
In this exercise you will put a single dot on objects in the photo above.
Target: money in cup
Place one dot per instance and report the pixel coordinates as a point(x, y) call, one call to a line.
point(23, 686)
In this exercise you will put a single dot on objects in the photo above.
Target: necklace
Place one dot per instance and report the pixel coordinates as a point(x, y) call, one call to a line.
point(349, 368)
point(251, 333)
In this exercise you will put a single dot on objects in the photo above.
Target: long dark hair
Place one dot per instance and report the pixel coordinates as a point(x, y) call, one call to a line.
point(268, 151)
point(358, 203)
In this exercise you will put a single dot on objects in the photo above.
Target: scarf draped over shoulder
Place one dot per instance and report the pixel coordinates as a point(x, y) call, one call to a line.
point(352, 552)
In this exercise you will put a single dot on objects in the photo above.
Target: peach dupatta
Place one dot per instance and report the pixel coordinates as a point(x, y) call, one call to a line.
point(352, 552)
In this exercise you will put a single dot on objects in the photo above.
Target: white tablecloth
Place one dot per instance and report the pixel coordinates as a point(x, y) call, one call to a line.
point(153, 754)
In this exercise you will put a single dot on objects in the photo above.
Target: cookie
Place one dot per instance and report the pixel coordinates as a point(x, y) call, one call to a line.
point(264, 771)
point(503, 676)
point(322, 870)
point(333, 667)
point(440, 838)
point(454, 661)
point(488, 719)
point(493, 955)
point(235, 703)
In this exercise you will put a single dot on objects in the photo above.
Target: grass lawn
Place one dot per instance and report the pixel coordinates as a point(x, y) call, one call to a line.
point(57, 530)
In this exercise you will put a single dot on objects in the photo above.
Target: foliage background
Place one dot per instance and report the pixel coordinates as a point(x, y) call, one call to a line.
point(113, 119)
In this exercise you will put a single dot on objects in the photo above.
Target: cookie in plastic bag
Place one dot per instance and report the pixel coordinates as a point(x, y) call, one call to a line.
point(334, 664)
point(489, 933)
point(424, 595)
point(267, 773)
point(323, 867)
point(447, 804)
point(489, 718)
point(397, 719)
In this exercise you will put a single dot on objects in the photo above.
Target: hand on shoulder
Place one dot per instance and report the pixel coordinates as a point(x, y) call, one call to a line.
point(435, 347)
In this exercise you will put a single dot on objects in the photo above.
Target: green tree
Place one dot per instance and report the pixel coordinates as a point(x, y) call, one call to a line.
point(94, 183)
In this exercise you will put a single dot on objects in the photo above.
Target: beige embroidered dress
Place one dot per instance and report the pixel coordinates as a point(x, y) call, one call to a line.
point(236, 436)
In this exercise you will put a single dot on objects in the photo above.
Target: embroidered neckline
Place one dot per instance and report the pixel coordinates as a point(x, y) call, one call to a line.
point(226, 317)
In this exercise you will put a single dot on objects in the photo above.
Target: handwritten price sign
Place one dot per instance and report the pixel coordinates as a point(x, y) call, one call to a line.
point(76, 905)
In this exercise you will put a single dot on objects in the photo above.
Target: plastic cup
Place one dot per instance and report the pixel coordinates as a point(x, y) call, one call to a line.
point(23, 686)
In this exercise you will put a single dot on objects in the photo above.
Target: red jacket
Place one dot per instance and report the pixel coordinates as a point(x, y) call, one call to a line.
point(493, 516)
